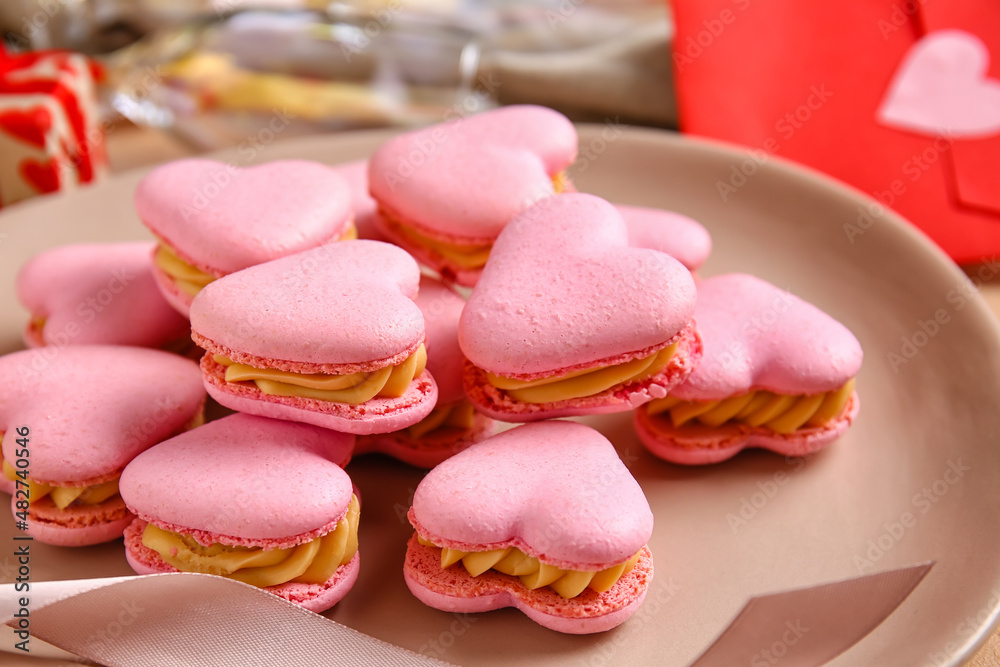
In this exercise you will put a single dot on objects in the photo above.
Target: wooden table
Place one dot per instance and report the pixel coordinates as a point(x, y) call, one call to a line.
point(130, 147)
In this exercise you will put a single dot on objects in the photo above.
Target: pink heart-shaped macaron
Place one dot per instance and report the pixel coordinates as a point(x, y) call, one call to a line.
point(220, 218)
point(757, 337)
point(96, 293)
point(338, 309)
point(88, 410)
point(555, 490)
point(564, 292)
point(462, 181)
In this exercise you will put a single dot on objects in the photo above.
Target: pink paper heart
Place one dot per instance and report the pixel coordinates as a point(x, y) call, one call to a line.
point(942, 88)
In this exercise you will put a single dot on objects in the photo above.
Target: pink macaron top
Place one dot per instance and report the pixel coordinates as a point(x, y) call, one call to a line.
point(355, 174)
point(757, 336)
point(442, 308)
point(677, 235)
point(243, 477)
point(91, 409)
point(221, 218)
point(97, 293)
point(342, 303)
point(563, 289)
point(468, 177)
point(556, 489)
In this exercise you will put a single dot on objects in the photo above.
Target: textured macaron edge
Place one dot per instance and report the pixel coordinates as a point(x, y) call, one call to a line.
point(78, 526)
point(425, 452)
point(495, 403)
point(379, 415)
point(452, 589)
point(314, 597)
point(701, 445)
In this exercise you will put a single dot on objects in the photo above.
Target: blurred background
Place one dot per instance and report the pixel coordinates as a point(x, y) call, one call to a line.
point(209, 73)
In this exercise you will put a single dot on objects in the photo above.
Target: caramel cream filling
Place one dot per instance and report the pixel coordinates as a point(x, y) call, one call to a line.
point(469, 256)
point(353, 389)
point(781, 413)
point(313, 562)
point(190, 279)
point(584, 382)
point(458, 415)
point(533, 573)
point(64, 496)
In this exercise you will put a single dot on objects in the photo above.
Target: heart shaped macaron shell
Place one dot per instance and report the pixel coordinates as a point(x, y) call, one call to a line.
point(329, 337)
point(679, 236)
point(259, 500)
point(567, 319)
point(777, 373)
point(94, 294)
point(545, 518)
point(454, 424)
point(73, 417)
point(214, 218)
point(445, 192)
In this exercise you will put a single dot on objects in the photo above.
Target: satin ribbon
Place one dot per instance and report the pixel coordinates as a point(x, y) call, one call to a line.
point(187, 619)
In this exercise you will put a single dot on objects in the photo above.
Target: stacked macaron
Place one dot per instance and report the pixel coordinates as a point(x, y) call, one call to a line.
point(545, 303)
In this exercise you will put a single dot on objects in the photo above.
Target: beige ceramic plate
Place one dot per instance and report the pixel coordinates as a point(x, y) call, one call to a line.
point(832, 517)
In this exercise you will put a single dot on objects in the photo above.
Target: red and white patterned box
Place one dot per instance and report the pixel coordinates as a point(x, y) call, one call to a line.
point(50, 134)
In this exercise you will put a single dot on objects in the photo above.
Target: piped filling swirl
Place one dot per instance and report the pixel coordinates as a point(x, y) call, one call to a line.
point(781, 413)
point(353, 389)
point(190, 279)
point(64, 496)
point(313, 562)
point(533, 573)
point(467, 256)
point(585, 382)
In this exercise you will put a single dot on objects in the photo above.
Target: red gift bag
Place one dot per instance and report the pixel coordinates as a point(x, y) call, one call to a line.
point(899, 98)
